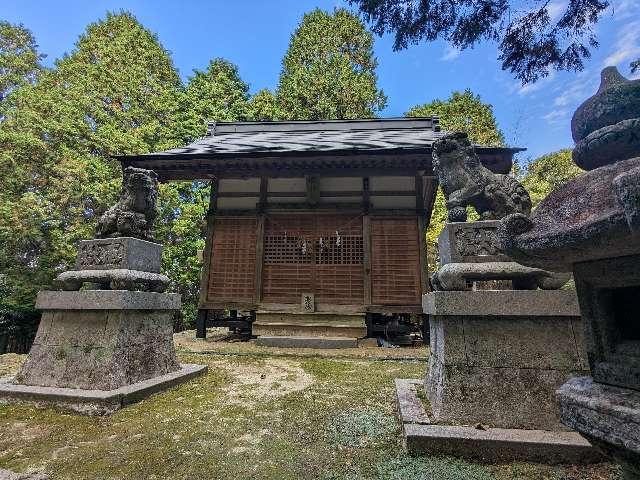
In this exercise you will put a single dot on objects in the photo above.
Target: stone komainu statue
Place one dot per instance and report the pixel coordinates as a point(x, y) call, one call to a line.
point(135, 211)
point(466, 181)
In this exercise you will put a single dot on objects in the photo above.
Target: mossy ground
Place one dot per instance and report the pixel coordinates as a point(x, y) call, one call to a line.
point(251, 417)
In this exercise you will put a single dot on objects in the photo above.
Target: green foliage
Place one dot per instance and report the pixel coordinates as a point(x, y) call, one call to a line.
point(530, 41)
point(547, 173)
point(464, 112)
point(263, 106)
point(19, 58)
point(329, 70)
point(115, 93)
point(461, 112)
point(216, 94)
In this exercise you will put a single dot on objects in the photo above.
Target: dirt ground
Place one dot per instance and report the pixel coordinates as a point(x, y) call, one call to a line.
point(255, 415)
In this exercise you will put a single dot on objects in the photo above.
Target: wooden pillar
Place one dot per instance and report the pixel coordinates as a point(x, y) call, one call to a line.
point(366, 242)
point(264, 185)
point(422, 231)
point(201, 327)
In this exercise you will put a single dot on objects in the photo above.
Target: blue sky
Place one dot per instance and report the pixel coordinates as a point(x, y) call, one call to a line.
point(255, 34)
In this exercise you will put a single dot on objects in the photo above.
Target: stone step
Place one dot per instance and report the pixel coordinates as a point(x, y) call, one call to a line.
point(309, 330)
point(306, 342)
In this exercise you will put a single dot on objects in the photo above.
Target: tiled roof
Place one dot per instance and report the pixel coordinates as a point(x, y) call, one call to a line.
point(251, 138)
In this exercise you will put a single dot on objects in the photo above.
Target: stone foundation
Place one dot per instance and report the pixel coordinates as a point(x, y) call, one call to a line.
point(97, 350)
point(497, 357)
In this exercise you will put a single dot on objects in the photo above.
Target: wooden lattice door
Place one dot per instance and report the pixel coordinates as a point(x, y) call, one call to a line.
point(233, 260)
point(320, 254)
point(395, 261)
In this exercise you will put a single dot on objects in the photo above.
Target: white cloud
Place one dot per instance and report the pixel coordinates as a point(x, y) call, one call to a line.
point(624, 9)
point(626, 46)
point(555, 117)
point(556, 9)
point(530, 88)
point(449, 54)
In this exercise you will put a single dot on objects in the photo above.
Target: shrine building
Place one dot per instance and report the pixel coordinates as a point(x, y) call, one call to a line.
point(313, 227)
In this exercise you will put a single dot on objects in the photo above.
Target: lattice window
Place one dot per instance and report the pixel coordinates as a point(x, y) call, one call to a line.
point(280, 249)
point(348, 252)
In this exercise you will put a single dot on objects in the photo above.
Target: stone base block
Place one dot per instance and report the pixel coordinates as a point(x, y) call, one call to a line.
point(309, 325)
point(497, 357)
point(101, 340)
point(123, 252)
point(97, 402)
point(487, 445)
point(307, 342)
point(608, 416)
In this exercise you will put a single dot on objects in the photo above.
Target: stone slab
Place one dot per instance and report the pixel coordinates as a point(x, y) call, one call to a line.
point(410, 408)
point(306, 342)
point(499, 445)
point(107, 300)
point(605, 413)
point(319, 330)
point(119, 253)
point(502, 302)
point(490, 445)
point(97, 402)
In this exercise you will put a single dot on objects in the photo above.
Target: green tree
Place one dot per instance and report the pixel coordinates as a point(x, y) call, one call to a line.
point(115, 93)
point(19, 58)
point(263, 106)
point(530, 41)
point(461, 112)
point(464, 112)
point(548, 172)
point(215, 94)
point(329, 70)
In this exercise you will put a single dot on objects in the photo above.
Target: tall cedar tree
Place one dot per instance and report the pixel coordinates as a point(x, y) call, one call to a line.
point(530, 41)
point(461, 112)
point(329, 70)
point(263, 106)
point(115, 93)
point(215, 94)
point(19, 58)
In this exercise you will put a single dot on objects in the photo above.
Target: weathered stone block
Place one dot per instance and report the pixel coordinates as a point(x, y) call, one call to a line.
point(470, 242)
point(119, 253)
point(497, 357)
point(101, 340)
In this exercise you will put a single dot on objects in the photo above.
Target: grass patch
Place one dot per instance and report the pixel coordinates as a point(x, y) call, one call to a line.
point(250, 417)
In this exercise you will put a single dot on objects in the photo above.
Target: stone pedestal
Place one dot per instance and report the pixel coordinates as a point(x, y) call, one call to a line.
point(497, 357)
point(97, 350)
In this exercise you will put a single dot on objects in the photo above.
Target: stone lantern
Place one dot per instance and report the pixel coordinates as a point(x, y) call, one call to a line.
point(591, 226)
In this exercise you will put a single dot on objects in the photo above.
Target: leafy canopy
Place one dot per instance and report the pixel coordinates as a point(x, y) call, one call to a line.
point(464, 112)
point(547, 173)
point(530, 40)
point(19, 57)
point(215, 94)
point(329, 70)
point(114, 93)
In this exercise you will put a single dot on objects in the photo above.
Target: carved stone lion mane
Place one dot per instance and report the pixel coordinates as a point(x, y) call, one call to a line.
point(466, 181)
point(135, 211)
